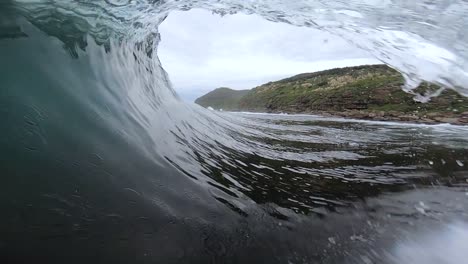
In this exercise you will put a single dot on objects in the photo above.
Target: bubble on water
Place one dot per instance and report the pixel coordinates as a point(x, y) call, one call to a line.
point(422, 208)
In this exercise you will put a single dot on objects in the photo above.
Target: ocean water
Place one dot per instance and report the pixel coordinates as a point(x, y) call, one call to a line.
point(101, 162)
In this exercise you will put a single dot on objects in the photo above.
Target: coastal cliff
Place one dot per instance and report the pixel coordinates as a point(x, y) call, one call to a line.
point(363, 92)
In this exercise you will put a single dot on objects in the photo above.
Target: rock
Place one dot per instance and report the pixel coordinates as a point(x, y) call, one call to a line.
point(361, 114)
point(450, 120)
point(428, 121)
point(345, 113)
point(409, 117)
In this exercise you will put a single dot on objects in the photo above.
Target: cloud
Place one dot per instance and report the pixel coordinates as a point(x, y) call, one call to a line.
point(202, 51)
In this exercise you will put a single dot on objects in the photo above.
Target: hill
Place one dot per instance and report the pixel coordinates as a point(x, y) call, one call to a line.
point(222, 98)
point(369, 92)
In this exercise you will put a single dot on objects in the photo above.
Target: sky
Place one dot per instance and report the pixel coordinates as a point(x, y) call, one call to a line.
point(202, 51)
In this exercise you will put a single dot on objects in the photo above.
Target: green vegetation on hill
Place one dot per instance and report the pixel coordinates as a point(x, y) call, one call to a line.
point(375, 87)
point(371, 91)
point(222, 98)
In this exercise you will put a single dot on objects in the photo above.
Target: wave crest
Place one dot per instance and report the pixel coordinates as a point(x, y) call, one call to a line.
point(426, 41)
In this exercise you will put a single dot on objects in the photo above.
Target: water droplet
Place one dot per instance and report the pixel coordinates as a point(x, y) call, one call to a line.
point(460, 163)
point(421, 208)
point(332, 240)
point(431, 162)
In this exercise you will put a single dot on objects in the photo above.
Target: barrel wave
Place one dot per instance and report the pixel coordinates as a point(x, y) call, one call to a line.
point(102, 162)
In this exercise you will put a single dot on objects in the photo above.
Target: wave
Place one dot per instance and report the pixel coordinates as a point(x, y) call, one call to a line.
point(424, 41)
point(101, 160)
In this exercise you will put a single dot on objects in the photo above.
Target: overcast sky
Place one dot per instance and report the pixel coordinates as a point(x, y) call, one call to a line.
point(202, 51)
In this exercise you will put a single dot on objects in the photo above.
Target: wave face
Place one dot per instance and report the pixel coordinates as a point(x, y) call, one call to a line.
point(101, 161)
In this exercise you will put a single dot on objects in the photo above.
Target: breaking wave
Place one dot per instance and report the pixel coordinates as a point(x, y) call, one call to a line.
point(101, 160)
